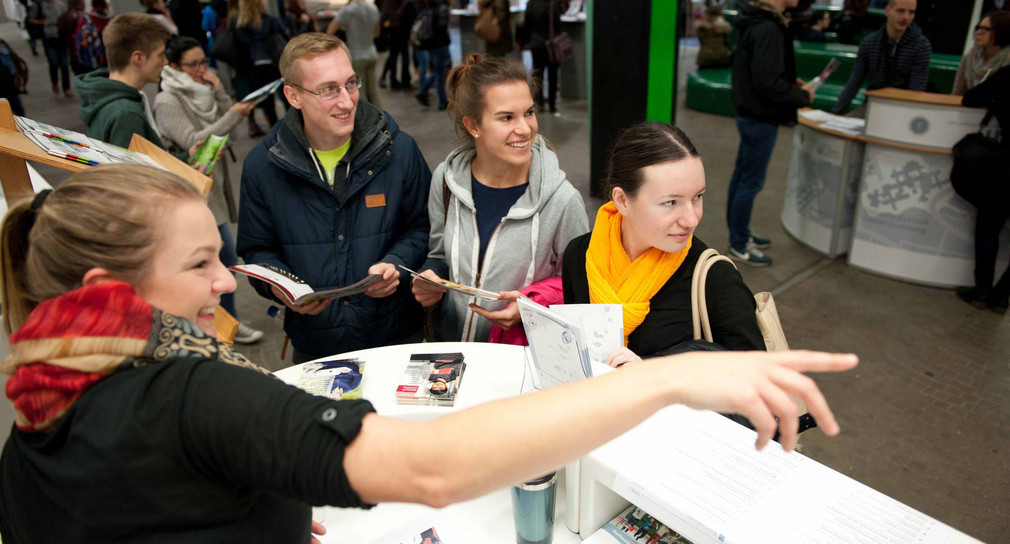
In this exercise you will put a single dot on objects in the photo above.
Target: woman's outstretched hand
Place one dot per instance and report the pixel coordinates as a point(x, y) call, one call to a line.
point(757, 385)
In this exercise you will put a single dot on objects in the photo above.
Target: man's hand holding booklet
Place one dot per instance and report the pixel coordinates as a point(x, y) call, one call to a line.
point(295, 289)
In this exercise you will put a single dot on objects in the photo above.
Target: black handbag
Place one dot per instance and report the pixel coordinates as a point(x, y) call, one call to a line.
point(226, 46)
point(980, 166)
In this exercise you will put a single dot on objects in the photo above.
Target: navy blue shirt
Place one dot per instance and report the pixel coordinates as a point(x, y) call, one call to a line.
point(492, 205)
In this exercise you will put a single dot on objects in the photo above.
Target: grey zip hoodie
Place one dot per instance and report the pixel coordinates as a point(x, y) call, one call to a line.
point(525, 248)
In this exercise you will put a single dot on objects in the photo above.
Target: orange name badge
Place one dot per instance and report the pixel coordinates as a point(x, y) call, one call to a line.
point(375, 201)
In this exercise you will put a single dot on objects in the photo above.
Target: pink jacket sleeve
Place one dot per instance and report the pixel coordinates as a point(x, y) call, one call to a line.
point(545, 293)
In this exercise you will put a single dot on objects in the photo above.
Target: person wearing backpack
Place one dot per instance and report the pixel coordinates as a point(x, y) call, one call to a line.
point(13, 75)
point(432, 26)
point(87, 46)
point(45, 14)
point(537, 30)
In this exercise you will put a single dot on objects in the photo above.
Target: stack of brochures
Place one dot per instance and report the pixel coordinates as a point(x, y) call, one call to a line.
point(75, 146)
point(295, 289)
point(337, 380)
point(634, 526)
point(431, 379)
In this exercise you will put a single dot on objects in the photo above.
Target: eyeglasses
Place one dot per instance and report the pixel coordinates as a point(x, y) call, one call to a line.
point(196, 64)
point(329, 93)
point(983, 28)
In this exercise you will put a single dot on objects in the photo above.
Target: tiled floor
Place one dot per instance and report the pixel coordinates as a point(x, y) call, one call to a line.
point(926, 417)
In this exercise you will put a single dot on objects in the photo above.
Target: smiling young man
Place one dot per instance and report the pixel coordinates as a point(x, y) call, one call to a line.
point(897, 55)
point(112, 106)
point(333, 193)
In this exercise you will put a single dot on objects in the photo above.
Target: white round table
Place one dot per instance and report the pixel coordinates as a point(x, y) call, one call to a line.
point(493, 371)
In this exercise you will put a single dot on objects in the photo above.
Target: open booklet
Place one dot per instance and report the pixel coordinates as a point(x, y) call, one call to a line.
point(453, 286)
point(263, 92)
point(295, 289)
point(557, 345)
point(75, 146)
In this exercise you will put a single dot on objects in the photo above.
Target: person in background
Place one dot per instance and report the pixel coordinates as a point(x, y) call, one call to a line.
point(262, 36)
point(537, 30)
point(502, 211)
point(334, 193)
point(398, 45)
point(33, 30)
point(360, 20)
point(122, 436)
point(157, 9)
point(766, 93)
point(113, 108)
point(100, 14)
point(897, 56)
point(189, 18)
point(67, 25)
point(298, 20)
point(433, 54)
point(992, 35)
point(504, 45)
point(713, 31)
point(992, 93)
point(13, 70)
point(46, 14)
point(643, 250)
point(822, 20)
point(192, 106)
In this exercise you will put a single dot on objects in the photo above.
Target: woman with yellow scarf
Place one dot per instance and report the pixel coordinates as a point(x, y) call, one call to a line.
point(642, 250)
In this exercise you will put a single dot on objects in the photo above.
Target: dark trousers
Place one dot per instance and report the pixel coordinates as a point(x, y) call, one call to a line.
point(988, 224)
point(439, 64)
point(541, 60)
point(757, 141)
point(228, 258)
point(398, 49)
point(56, 54)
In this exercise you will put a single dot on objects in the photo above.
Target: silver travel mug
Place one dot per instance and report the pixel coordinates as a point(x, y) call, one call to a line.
point(533, 510)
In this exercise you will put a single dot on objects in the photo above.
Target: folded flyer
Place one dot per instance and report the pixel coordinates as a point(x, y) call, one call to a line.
point(263, 92)
point(431, 379)
point(453, 286)
point(295, 289)
point(337, 380)
point(208, 152)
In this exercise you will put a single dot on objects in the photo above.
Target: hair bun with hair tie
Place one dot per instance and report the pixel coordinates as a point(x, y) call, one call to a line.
point(39, 199)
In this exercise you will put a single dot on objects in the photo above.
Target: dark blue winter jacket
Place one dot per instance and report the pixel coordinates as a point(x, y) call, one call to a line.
point(290, 217)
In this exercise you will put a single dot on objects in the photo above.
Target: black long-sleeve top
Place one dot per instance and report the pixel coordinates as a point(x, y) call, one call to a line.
point(730, 303)
point(993, 93)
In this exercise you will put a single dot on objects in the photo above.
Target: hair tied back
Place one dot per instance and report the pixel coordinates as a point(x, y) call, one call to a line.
point(39, 199)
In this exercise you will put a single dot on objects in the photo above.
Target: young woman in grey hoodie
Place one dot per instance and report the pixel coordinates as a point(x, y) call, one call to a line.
point(502, 212)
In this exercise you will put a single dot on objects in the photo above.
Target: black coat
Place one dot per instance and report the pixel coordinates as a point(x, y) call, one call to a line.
point(731, 305)
point(764, 69)
point(993, 93)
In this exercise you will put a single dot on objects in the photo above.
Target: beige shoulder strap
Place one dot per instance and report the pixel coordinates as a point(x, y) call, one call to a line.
point(699, 307)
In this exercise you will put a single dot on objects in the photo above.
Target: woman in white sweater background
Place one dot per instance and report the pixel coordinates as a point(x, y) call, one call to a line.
point(191, 106)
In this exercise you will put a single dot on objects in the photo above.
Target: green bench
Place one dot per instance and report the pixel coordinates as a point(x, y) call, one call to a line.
point(710, 89)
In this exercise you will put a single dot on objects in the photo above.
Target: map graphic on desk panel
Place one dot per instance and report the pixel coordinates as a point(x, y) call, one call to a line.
point(814, 174)
point(906, 202)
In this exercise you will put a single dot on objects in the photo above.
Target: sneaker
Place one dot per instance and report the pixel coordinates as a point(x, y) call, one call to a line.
point(756, 241)
point(751, 256)
point(424, 99)
point(247, 334)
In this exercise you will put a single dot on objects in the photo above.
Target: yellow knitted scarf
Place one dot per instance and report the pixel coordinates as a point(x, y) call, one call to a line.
point(614, 279)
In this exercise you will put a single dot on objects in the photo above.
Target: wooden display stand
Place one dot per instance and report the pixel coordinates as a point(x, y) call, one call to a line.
point(16, 149)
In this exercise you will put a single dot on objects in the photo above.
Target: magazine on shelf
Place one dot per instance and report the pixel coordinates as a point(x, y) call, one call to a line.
point(453, 286)
point(557, 345)
point(75, 146)
point(263, 92)
point(337, 380)
point(431, 379)
point(295, 289)
point(634, 526)
point(209, 151)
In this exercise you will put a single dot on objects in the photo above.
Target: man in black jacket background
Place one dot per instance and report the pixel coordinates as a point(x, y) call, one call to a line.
point(766, 94)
